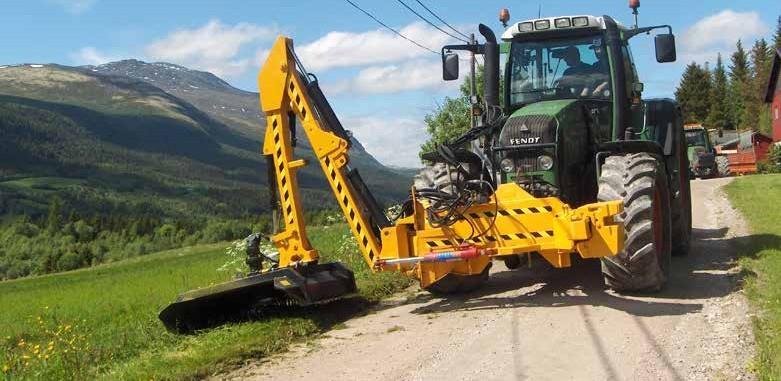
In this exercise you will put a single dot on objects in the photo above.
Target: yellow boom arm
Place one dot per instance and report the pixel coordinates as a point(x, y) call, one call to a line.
point(285, 97)
point(512, 222)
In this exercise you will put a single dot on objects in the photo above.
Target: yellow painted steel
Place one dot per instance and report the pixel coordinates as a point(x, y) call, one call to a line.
point(514, 222)
point(511, 222)
point(284, 96)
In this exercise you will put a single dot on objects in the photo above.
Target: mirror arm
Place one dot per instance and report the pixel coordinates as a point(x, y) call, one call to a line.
point(634, 32)
point(476, 48)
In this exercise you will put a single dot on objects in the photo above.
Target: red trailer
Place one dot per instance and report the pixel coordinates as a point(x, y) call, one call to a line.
point(745, 152)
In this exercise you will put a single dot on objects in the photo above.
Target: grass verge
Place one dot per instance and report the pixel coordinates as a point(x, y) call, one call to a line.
point(102, 322)
point(758, 198)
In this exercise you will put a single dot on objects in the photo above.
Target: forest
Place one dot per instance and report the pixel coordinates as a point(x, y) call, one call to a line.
point(730, 95)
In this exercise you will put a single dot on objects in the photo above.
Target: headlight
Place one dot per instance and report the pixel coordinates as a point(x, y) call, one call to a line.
point(563, 22)
point(579, 21)
point(542, 24)
point(525, 27)
point(545, 162)
point(507, 165)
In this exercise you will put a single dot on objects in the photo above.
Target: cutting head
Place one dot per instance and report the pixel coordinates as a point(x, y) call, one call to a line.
point(236, 299)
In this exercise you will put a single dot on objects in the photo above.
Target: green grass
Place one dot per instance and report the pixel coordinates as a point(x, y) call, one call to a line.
point(43, 183)
point(106, 317)
point(758, 198)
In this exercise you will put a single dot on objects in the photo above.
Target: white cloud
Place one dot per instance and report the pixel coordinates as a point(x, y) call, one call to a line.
point(91, 56)
point(214, 47)
point(719, 33)
point(392, 141)
point(75, 6)
point(345, 49)
point(412, 75)
point(261, 55)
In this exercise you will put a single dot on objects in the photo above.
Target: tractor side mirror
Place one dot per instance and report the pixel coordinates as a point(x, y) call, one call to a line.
point(665, 48)
point(450, 66)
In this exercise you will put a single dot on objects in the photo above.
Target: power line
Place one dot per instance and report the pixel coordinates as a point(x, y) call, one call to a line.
point(389, 28)
point(431, 23)
point(440, 19)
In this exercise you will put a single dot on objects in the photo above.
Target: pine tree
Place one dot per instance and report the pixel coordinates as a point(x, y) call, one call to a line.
point(693, 93)
point(53, 221)
point(758, 111)
point(740, 75)
point(777, 35)
point(718, 114)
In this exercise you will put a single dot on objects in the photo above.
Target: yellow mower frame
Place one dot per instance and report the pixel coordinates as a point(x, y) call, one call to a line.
point(511, 222)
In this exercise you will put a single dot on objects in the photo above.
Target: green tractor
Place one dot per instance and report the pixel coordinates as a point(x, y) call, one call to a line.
point(573, 125)
point(703, 160)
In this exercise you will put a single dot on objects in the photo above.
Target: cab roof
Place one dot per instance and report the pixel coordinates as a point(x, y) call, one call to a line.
point(544, 25)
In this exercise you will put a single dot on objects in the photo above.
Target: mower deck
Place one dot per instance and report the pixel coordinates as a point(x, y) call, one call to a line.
point(206, 307)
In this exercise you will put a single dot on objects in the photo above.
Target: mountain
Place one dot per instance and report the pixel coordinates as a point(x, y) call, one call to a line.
point(144, 138)
point(236, 108)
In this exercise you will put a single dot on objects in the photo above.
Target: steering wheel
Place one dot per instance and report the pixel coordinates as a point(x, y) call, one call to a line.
point(560, 90)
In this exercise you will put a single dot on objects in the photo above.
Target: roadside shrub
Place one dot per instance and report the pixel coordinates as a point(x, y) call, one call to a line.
point(773, 163)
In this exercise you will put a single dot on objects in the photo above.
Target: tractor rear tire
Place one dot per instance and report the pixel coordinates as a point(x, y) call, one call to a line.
point(445, 178)
point(722, 163)
point(439, 176)
point(640, 181)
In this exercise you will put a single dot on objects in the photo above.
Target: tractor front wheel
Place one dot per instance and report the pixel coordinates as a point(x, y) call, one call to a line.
point(640, 181)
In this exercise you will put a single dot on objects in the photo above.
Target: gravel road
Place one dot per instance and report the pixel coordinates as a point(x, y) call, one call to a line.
point(552, 324)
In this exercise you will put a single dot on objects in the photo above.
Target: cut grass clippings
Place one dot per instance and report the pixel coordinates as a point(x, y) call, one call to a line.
point(758, 199)
point(113, 332)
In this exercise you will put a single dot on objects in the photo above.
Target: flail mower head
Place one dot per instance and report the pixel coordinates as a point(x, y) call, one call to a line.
point(241, 298)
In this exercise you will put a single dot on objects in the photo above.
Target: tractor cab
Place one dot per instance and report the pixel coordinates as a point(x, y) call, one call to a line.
point(702, 154)
point(570, 85)
point(553, 63)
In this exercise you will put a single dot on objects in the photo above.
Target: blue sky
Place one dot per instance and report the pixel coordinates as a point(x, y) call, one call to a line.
point(380, 85)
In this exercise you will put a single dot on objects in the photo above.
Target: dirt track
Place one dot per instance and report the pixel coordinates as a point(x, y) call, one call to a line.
point(552, 324)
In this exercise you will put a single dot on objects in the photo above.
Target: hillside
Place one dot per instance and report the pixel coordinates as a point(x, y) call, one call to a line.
point(115, 334)
point(236, 108)
point(133, 137)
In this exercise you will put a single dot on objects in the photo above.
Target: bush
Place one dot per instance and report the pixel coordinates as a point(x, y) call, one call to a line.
point(773, 163)
point(69, 261)
point(26, 229)
point(83, 232)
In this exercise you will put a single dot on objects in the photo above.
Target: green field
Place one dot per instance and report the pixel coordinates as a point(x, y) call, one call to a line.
point(101, 323)
point(758, 197)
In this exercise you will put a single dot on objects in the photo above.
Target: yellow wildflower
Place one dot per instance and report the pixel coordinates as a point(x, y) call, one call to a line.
point(6, 368)
point(45, 357)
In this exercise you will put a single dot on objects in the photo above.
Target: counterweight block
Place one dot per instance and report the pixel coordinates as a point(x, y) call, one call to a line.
point(236, 299)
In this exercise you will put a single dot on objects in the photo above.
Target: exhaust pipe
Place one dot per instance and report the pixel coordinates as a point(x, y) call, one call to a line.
point(491, 74)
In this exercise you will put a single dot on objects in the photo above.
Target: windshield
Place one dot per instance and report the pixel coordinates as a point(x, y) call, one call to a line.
point(559, 69)
point(695, 138)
